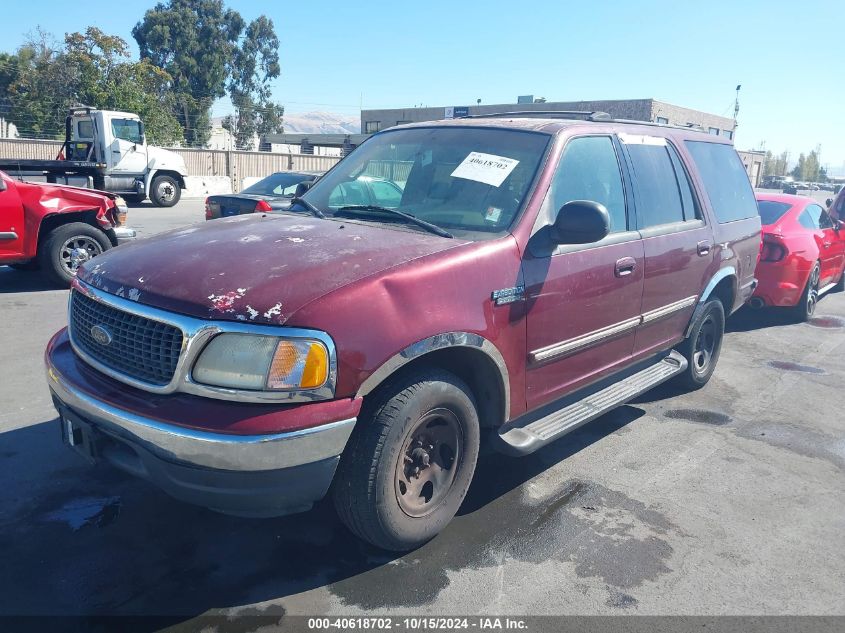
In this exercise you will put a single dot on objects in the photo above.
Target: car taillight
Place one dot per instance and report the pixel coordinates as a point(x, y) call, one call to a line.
point(772, 250)
point(263, 206)
point(207, 210)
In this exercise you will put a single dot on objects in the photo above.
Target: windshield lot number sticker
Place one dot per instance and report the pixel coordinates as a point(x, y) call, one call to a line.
point(487, 168)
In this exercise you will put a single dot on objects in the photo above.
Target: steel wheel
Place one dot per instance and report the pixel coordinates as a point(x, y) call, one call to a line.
point(166, 191)
point(705, 345)
point(428, 462)
point(77, 250)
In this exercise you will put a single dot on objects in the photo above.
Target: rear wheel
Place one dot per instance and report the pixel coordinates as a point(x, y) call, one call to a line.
point(806, 306)
point(69, 246)
point(703, 346)
point(165, 191)
point(409, 463)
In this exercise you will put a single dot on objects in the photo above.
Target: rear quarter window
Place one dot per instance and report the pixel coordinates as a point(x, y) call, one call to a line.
point(771, 211)
point(726, 183)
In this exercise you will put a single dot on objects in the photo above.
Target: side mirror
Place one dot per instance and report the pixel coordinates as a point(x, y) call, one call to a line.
point(143, 139)
point(302, 187)
point(828, 202)
point(580, 222)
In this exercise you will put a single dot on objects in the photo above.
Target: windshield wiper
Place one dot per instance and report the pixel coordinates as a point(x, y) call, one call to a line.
point(314, 210)
point(433, 228)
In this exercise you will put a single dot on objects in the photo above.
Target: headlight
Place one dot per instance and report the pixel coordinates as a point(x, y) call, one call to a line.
point(256, 362)
point(121, 211)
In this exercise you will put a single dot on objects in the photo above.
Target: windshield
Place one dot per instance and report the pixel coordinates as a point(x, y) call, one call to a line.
point(771, 211)
point(470, 181)
point(282, 184)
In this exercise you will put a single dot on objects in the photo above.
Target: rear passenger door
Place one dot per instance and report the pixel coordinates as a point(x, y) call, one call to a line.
point(678, 244)
point(582, 300)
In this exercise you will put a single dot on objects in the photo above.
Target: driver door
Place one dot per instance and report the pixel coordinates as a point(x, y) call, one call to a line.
point(128, 150)
point(583, 300)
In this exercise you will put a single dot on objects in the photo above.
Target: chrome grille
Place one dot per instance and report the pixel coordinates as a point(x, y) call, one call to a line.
point(141, 348)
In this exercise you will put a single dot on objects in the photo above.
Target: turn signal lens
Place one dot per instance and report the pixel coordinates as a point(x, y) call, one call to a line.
point(298, 364)
point(263, 205)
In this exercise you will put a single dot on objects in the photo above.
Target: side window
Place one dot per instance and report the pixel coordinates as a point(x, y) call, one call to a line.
point(725, 180)
point(821, 220)
point(589, 170)
point(659, 196)
point(691, 209)
point(807, 220)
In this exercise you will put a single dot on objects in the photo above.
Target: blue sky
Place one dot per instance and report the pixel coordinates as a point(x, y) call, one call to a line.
point(336, 55)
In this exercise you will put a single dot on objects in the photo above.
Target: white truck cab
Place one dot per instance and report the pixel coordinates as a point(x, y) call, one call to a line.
point(131, 167)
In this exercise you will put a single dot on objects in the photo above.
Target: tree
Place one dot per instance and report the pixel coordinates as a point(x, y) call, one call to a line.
point(798, 170)
point(193, 40)
point(90, 69)
point(255, 63)
point(207, 48)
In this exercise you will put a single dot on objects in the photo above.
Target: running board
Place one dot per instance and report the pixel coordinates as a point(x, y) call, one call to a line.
point(522, 440)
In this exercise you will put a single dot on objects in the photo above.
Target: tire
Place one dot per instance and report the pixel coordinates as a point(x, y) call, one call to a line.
point(806, 306)
point(421, 428)
point(702, 347)
point(61, 252)
point(165, 191)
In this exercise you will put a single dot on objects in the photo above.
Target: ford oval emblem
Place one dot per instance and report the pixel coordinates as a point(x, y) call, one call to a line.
point(101, 334)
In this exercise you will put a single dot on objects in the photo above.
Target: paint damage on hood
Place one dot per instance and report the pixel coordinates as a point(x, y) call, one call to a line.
point(257, 268)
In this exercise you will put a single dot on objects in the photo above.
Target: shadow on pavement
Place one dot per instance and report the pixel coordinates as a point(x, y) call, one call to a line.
point(12, 280)
point(89, 540)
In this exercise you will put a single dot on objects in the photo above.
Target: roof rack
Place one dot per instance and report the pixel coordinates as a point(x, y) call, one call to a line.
point(586, 115)
point(545, 114)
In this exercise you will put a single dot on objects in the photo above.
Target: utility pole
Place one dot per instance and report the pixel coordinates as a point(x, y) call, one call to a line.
point(736, 110)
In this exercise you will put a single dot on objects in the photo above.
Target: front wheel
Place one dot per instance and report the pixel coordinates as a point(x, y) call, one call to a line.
point(165, 191)
point(409, 463)
point(702, 347)
point(69, 246)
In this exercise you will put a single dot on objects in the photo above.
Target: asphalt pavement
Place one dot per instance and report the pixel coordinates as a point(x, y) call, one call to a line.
point(728, 500)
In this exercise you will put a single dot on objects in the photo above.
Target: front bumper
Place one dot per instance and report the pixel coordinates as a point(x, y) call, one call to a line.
point(124, 234)
point(251, 475)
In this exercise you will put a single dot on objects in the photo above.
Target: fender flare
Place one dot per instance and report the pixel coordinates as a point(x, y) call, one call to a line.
point(434, 343)
point(722, 273)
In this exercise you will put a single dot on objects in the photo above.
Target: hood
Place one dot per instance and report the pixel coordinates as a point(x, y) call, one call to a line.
point(158, 158)
point(258, 268)
point(44, 199)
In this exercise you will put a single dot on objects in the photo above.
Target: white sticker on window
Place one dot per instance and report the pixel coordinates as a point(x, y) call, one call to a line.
point(487, 168)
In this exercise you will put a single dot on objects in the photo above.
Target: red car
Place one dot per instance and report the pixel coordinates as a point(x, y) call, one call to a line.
point(56, 227)
point(802, 254)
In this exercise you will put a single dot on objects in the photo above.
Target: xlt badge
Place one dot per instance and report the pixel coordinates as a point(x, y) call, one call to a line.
point(508, 295)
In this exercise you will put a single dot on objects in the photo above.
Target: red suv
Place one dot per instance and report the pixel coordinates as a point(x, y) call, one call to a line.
point(533, 274)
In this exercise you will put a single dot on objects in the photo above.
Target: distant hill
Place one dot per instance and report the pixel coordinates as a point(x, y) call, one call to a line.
point(321, 123)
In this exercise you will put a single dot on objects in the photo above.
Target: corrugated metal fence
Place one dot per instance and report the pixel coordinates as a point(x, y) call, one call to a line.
point(199, 162)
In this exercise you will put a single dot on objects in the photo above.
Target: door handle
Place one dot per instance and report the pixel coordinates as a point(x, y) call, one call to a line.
point(703, 248)
point(625, 266)
point(826, 244)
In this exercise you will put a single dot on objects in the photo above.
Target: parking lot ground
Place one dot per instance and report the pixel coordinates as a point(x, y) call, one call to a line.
point(728, 500)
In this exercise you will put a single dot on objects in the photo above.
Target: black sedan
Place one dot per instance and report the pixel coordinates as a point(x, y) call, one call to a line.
point(273, 193)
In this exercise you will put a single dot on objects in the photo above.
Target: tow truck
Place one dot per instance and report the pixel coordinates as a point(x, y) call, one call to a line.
point(107, 150)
